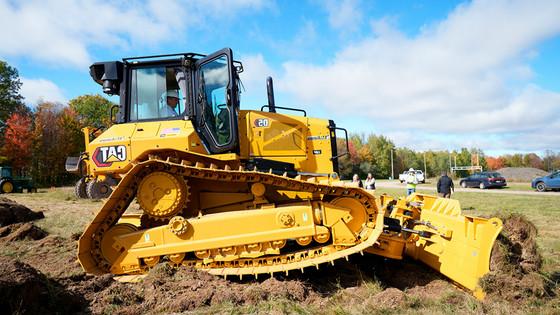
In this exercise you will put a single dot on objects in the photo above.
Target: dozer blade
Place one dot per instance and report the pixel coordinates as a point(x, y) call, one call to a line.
point(456, 245)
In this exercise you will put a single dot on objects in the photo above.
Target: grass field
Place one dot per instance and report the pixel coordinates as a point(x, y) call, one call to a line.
point(66, 216)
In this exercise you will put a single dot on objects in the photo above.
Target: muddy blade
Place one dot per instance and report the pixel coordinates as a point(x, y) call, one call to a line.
point(462, 246)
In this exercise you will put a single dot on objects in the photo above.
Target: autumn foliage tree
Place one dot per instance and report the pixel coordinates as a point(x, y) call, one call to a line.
point(495, 163)
point(18, 142)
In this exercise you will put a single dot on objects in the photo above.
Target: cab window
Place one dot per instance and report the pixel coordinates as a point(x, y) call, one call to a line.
point(6, 172)
point(213, 83)
point(155, 94)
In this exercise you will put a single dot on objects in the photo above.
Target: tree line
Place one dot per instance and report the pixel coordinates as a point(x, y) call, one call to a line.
point(36, 142)
point(372, 154)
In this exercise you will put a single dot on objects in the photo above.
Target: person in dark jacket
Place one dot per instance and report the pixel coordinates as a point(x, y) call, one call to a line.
point(445, 186)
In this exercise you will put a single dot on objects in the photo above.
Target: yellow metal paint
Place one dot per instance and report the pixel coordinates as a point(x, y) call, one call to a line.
point(457, 246)
point(303, 141)
point(107, 248)
point(227, 224)
point(161, 194)
point(214, 231)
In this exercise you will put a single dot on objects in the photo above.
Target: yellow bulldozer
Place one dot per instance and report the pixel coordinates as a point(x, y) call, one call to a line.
point(247, 192)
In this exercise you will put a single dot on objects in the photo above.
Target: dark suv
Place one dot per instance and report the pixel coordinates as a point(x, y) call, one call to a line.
point(484, 180)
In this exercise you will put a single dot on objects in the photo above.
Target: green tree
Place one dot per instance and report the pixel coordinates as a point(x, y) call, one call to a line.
point(10, 99)
point(379, 159)
point(407, 158)
point(92, 110)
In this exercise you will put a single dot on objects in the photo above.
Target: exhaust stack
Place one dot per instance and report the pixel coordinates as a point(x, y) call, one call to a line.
point(270, 93)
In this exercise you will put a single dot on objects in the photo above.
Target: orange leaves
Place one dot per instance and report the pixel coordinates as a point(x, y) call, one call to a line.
point(18, 141)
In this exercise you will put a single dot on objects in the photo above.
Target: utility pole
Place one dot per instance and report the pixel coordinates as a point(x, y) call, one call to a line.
point(392, 167)
point(425, 171)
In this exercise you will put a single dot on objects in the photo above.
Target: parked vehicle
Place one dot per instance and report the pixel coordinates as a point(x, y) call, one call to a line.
point(484, 180)
point(10, 183)
point(548, 182)
point(419, 176)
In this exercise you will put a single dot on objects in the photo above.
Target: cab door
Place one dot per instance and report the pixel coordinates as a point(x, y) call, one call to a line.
point(216, 101)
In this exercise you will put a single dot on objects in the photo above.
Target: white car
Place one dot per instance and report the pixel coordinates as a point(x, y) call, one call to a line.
point(419, 176)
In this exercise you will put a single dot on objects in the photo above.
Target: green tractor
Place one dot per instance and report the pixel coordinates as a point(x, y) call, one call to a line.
point(9, 183)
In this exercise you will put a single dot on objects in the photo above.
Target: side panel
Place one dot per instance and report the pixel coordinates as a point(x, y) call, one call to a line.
point(160, 135)
point(115, 149)
point(302, 141)
point(110, 151)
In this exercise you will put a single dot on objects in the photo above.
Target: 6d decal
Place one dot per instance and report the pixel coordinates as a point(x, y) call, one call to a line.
point(105, 156)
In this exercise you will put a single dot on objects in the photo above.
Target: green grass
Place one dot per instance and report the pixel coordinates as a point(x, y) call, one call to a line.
point(64, 213)
point(519, 186)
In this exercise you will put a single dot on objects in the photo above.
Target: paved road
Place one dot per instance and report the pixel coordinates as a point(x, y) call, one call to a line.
point(431, 187)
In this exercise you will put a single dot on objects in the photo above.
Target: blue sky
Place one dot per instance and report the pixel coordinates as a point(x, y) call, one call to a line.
point(427, 74)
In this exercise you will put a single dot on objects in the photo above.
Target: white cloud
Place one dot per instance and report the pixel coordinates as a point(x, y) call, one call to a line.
point(468, 74)
point(63, 32)
point(37, 90)
point(255, 71)
point(253, 77)
point(344, 15)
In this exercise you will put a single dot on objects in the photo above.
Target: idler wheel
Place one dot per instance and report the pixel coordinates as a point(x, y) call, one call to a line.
point(109, 252)
point(162, 195)
point(357, 211)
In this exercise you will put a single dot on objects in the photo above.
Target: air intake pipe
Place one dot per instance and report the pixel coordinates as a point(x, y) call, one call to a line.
point(270, 93)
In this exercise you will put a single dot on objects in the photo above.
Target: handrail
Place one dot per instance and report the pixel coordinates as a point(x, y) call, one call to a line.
point(286, 108)
point(347, 143)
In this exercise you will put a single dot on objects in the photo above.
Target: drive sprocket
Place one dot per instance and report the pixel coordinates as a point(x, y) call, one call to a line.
point(162, 195)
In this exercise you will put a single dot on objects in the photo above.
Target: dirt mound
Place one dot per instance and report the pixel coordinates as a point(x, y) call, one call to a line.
point(167, 289)
point(13, 212)
point(390, 298)
point(20, 231)
point(521, 174)
point(25, 290)
point(515, 263)
point(54, 256)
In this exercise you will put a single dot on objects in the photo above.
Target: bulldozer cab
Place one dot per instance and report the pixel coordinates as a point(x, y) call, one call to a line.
point(186, 86)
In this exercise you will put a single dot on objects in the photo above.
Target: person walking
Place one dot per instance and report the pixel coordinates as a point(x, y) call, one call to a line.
point(356, 181)
point(411, 182)
point(445, 186)
point(370, 182)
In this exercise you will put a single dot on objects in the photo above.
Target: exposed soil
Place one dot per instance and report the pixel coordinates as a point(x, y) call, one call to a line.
point(390, 298)
point(167, 289)
point(21, 231)
point(45, 277)
point(24, 290)
point(13, 212)
point(515, 263)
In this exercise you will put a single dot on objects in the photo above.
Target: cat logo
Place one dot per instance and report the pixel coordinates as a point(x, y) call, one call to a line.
point(105, 156)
